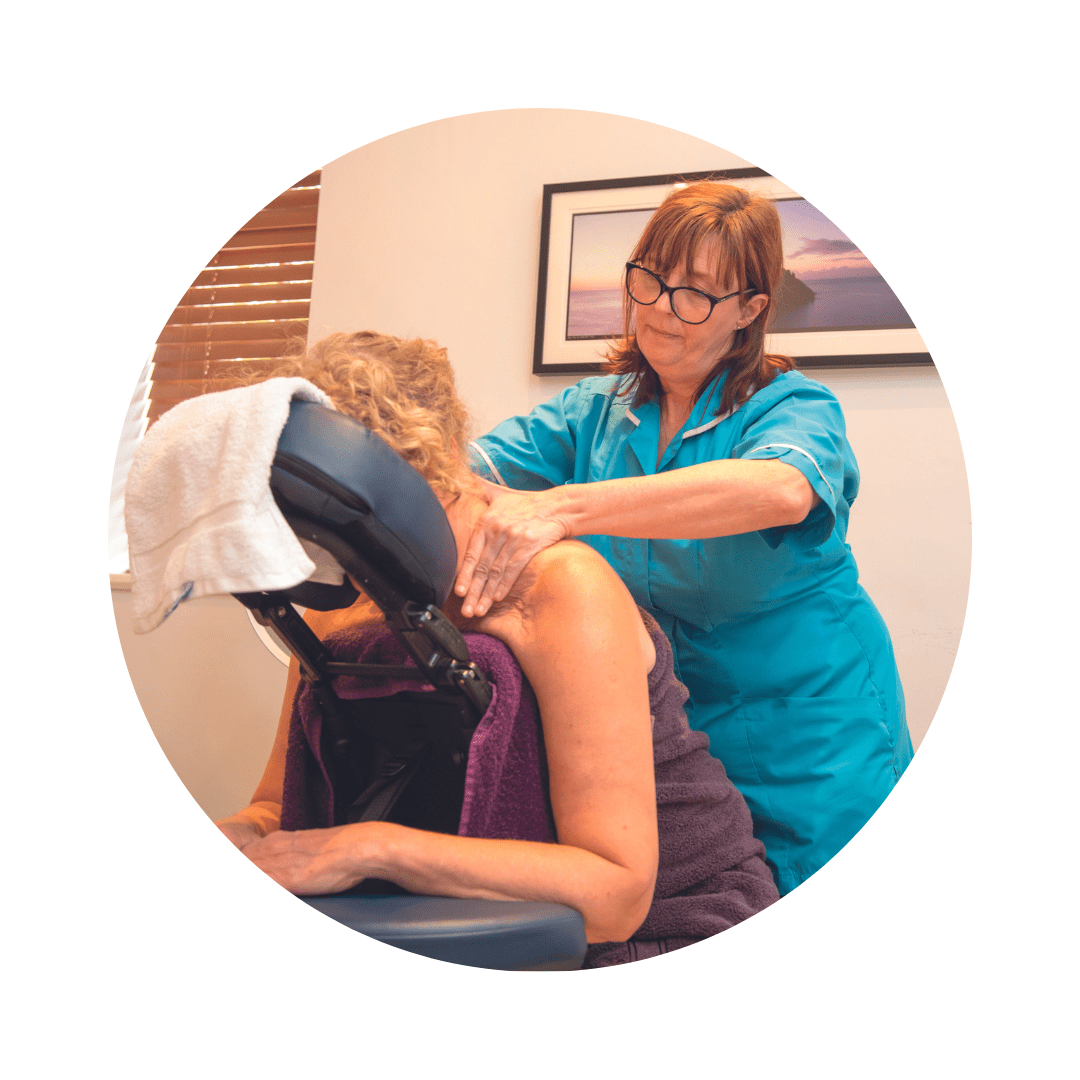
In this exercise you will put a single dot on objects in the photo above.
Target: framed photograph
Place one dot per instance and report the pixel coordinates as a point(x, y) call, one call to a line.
point(834, 309)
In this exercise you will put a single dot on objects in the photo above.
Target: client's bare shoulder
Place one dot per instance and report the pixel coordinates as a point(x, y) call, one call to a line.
point(567, 591)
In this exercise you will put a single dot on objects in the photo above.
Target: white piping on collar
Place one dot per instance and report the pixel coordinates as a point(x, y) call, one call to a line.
point(694, 431)
point(711, 424)
point(799, 449)
point(490, 464)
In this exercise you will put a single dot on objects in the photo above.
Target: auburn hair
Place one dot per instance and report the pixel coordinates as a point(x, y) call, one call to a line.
point(750, 256)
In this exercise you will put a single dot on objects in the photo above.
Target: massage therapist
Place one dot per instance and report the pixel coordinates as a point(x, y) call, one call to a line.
point(717, 481)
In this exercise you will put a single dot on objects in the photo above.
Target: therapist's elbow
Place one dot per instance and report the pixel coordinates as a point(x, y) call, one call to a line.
point(794, 499)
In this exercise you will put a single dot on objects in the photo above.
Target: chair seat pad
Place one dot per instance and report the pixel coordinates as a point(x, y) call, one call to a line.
point(509, 935)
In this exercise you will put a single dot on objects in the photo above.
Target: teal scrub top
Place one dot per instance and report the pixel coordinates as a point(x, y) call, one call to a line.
point(789, 665)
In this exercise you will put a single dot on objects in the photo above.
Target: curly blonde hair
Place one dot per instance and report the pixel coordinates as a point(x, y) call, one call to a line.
point(402, 390)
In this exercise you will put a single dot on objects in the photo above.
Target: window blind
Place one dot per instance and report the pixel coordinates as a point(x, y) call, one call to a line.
point(238, 314)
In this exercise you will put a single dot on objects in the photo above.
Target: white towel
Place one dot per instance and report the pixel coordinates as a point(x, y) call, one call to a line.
point(200, 516)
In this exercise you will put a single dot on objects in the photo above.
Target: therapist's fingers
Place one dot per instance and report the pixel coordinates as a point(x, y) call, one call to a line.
point(476, 567)
point(487, 540)
point(508, 534)
point(497, 582)
point(504, 559)
point(494, 576)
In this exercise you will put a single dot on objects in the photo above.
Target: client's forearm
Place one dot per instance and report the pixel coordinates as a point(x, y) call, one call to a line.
point(613, 899)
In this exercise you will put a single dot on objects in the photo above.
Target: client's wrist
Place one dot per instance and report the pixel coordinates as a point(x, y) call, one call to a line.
point(370, 846)
point(239, 830)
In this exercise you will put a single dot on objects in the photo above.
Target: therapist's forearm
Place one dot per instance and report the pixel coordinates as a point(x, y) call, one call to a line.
point(716, 498)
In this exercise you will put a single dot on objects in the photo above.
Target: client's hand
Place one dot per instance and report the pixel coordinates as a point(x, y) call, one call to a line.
point(240, 833)
point(311, 862)
point(516, 525)
point(251, 823)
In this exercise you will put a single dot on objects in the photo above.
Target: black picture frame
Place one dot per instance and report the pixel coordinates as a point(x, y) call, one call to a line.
point(554, 353)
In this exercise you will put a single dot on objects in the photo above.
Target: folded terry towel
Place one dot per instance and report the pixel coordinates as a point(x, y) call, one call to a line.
point(199, 513)
point(506, 779)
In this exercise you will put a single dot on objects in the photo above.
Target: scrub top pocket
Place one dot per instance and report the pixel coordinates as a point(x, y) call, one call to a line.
point(821, 766)
point(676, 580)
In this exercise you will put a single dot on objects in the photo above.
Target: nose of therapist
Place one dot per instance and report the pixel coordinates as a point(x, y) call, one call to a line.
point(685, 352)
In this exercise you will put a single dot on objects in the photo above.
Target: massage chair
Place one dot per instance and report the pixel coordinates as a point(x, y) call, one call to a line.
point(401, 757)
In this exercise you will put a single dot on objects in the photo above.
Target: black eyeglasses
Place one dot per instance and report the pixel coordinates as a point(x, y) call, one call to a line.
point(692, 306)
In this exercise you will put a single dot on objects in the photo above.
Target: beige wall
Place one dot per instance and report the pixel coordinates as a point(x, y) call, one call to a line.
point(459, 200)
point(410, 225)
point(212, 693)
point(910, 528)
point(435, 232)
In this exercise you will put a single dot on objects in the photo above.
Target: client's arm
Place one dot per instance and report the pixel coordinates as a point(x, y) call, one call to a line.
point(577, 634)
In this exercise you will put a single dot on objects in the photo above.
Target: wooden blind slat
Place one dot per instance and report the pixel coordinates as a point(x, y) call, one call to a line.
point(187, 333)
point(256, 238)
point(289, 309)
point(222, 350)
point(246, 275)
point(262, 256)
point(242, 311)
point(173, 392)
point(300, 195)
point(176, 371)
point(245, 294)
point(289, 217)
point(295, 197)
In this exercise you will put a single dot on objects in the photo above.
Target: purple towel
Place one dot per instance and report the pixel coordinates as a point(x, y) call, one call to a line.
point(712, 872)
point(506, 778)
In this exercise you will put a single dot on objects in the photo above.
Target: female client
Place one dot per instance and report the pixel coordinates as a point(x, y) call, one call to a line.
point(654, 844)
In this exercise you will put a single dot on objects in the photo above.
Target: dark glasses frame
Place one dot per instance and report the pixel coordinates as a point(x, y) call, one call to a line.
point(671, 290)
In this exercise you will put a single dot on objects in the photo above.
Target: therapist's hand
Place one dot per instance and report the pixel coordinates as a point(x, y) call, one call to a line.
point(516, 525)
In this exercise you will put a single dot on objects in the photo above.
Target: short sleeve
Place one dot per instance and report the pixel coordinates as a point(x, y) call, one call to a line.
point(537, 451)
point(800, 423)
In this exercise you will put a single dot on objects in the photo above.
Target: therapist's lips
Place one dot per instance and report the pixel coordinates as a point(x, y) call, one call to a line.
point(658, 333)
